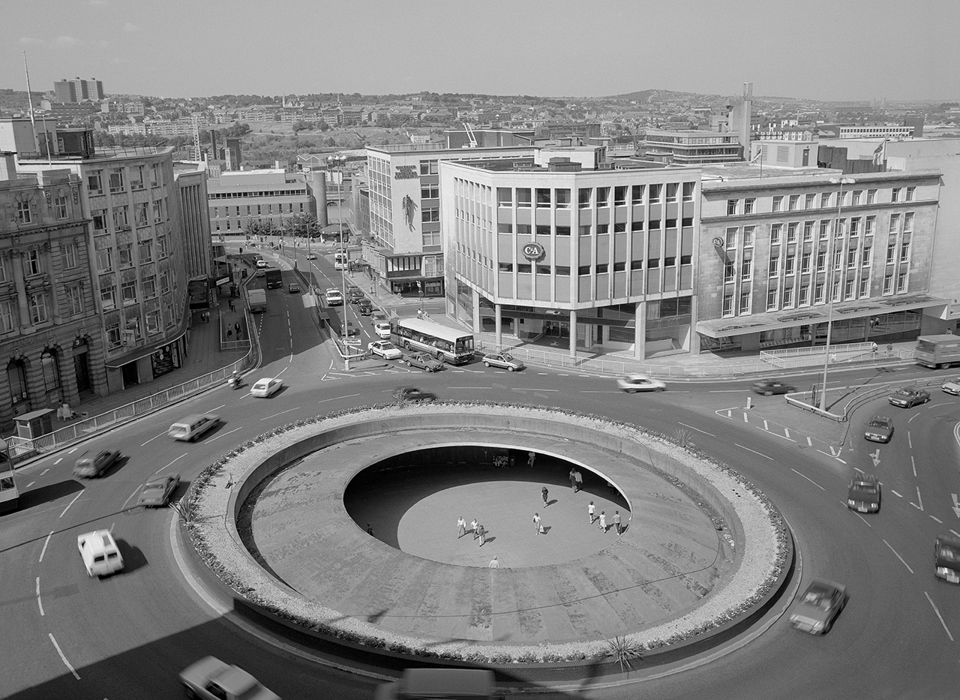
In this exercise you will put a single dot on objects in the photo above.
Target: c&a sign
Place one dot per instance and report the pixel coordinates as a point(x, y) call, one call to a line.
point(534, 252)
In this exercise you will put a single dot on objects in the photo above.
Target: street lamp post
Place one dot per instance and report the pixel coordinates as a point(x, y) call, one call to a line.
point(335, 163)
point(828, 282)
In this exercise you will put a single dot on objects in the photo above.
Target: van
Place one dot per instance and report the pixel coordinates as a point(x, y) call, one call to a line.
point(446, 683)
point(192, 427)
point(382, 329)
point(100, 553)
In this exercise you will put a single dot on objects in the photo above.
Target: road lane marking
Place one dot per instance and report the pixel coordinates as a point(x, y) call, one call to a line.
point(55, 463)
point(939, 616)
point(895, 493)
point(170, 464)
point(204, 442)
point(697, 429)
point(39, 601)
point(46, 470)
point(45, 543)
point(63, 658)
point(280, 414)
point(337, 398)
point(523, 388)
point(471, 387)
point(71, 503)
point(955, 533)
point(786, 432)
point(746, 418)
point(858, 515)
point(807, 478)
point(152, 439)
point(909, 440)
point(809, 441)
point(898, 557)
point(914, 465)
point(784, 437)
point(937, 519)
point(30, 484)
point(919, 500)
point(766, 425)
point(754, 451)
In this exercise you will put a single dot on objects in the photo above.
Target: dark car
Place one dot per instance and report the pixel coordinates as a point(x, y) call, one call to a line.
point(908, 398)
point(410, 393)
point(946, 554)
point(818, 607)
point(90, 466)
point(768, 387)
point(423, 361)
point(879, 429)
point(156, 492)
point(294, 287)
point(863, 494)
point(364, 307)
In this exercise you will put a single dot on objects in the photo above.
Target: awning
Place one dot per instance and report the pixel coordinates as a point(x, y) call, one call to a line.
point(140, 353)
point(775, 320)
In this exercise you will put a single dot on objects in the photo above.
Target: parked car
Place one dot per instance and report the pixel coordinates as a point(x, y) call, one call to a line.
point(99, 552)
point(423, 361)
point(93, 465)
point(879, 429)
point(768, 387)
point(816, 610)
point(863, 494)
point(294, 287)
point(266, 387)
point(908, 398)
point(158, 490)
point(503, 360)
point(952, 386)
point(946, 555)
point(212, 679)
point(385, 349)
point(410, 393)
point(382, 329)
point(640, 382)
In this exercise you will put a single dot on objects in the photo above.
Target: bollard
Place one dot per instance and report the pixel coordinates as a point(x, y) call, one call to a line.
point(749, 402)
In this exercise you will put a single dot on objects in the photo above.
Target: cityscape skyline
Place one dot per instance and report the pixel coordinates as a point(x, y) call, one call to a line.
point(812, 49)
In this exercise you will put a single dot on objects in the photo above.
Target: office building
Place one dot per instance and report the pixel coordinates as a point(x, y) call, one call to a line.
point(691, 147)
point(267, 198)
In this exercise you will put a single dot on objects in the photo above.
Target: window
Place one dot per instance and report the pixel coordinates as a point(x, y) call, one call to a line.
point(748, 235)
point(563, 198)
point(732, 207)
point(523, 197)
point(902, 282)
point(772, 299)
point(794, 202)
point(161, 247)
point(544, 198)
point(51, 372)
point(776, 231)
point(805, 257)
point(136, 179)
point(70, 260)
point(155, 175)
point(871, 196)
point(729, 271)
point(905, 250)
point(430, 214)
point(787, 297)
point(428, 167)
point(727, 303)
point(142, 215)
point(153, 322)
point(894, 224)
point(857, 195)
point(655, 191)
point(746, 265)
point(688, 189)
point(149, 287)
point(23, 212)
point(792, 231)
point(864, 287)
point(504, 197)
point(603, 196)
point(158, 212)
point(125, 250)
point(145, 251)
point(824, 229)
point(821, 259)
point(32, 263)
point(672, 189)
point(637, 194)
point(731, 239)
point(867, 257)
point(620, 196)
point(804, 295)
point(120, 221)
point(852, 257)
point(116, 180)
point(778, 203)
point(855, 227)
point(105, 259)
point(750, 205)
point(543, 230)
point(164, 282)
point(113, 337)
point(100, 219)
point(888, 283)
point(94, 183)
point(908, 223)
point(789, 263)
point(38, 308)
point(895, 194)
point(565, 230)
point(74, 295)
point(7, 308)
point(430, 238)
point(824, 200)
point(911, 192)
point(429, 191)
point(871, 225)
point(818, 290)
point(128, 290)
point(60, 205)
point(584, 197)
point(811, 201)
point(774, 266)
point(744, 301)
point(807, 231)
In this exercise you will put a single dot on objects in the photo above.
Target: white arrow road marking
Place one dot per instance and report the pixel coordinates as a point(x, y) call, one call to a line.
point(919, 500)
point(875, 456)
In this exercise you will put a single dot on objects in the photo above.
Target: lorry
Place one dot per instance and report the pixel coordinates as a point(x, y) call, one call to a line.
point(937, 351)
point(274, 280)
point(257, 299)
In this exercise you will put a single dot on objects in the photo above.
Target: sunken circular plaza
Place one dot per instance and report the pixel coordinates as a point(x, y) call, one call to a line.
point(348, 525)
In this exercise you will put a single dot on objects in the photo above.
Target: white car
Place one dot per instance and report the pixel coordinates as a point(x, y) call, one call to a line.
point(952, 386)
point(640, 382)
point(268, 386)
point(382, 329)
point(334, 297)
point(261, 264)
point(311, 256)
point(100, 553)
point(385, 349)
point(212, 679)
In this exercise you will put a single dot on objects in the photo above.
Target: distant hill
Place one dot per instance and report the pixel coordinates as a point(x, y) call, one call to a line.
point(662, 96)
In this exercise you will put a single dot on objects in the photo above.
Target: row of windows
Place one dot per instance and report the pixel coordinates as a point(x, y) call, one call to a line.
point(265, 193)
point(24, 214)
point(128, 291)
point(115, 178)
point(588, 229)
point(35, 262)
point(121, 215)
point(823, 200)
point(258, 209)
point(588, 197)
point(39, 307)
point(813, 230)
point(105, 257)
point(587, 270)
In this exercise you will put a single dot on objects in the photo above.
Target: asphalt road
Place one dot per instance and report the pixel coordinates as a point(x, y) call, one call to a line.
point(66, 635)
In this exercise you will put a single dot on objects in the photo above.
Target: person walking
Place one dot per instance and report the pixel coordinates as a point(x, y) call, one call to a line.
point(573, 480)
point(616, 522)
point(461, 527)
point(603, 521)
point(473, 528)
point(482, 534)
point(578, 477)
point(494, 563)
point(370, 529)
point(591, 510)
point(531, 457)
point(546, 496)
point(536, 522)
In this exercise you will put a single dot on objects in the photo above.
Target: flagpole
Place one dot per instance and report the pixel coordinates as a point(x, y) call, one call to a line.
point(33, 122)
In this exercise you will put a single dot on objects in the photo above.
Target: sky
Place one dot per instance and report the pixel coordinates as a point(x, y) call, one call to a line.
point(834, 50)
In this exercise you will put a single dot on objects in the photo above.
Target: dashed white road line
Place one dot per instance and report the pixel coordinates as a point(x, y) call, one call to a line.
point(220, 435)
point(914, 465)
point(697, 429)
point(46, 470)
point(919, 500)
point(895, 493)
point(939, 616)
point(71, 503)
point(937, 519)
point(31, 484)
point(807, 478)
point(171, 463)
point(337, 398)
point(898, 556)
point(39, 601)
point(144, 444)
point(280, 414)
point(55, 463)
point(743, 447)
point(63, 658)
point(45, 543)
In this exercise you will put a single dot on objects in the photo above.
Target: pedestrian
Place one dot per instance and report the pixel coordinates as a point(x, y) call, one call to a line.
point(616, 522)
point(231, 305)
point(603, 521)
point(875, 348)
point(536, 522)
point(546, 496)
point(237, 327)
point(494, 563)
point(482, 534)
point(591, 509)
point(531, 456)
point(579, 479)
point(573, 480)
point(473, 528)
point(369, 529)
point(461, 527)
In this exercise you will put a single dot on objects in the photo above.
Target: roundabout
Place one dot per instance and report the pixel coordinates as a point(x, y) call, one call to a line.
point(286, 519)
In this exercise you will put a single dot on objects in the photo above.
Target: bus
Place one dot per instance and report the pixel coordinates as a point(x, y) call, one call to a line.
point(937, 351)
point(9, 496)
point(455, 347)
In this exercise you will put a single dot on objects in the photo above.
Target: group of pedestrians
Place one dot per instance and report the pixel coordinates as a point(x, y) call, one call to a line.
point(479, 532)
point(617, 520)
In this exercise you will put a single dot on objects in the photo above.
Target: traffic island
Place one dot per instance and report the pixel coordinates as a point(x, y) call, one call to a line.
point(701, 551)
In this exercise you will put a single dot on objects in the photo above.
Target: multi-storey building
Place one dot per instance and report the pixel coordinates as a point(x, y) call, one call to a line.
point(50, 340)
point(237, 199)
point(137, 253)
point(599, 259)
point(691, 147)
point(78, 90)
point(779, 252)
point(863, 131)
